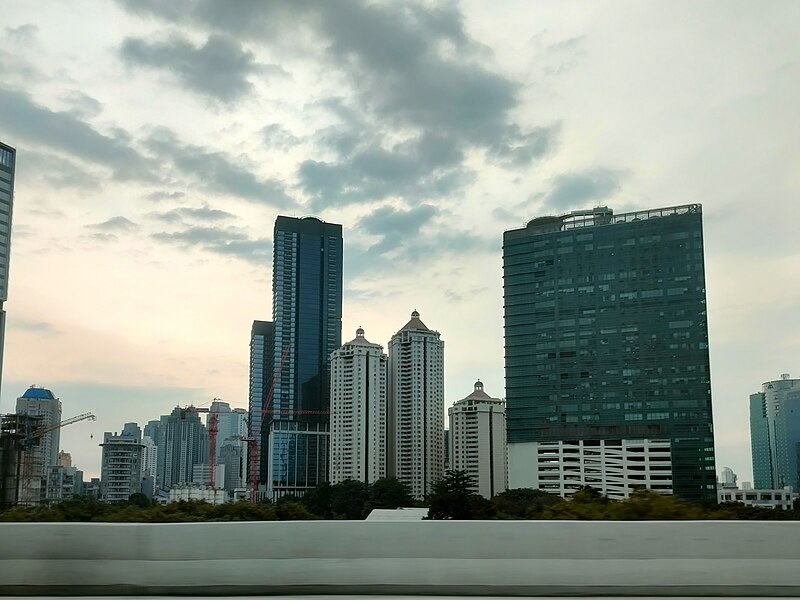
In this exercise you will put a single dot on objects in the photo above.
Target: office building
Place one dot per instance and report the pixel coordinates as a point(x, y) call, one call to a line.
point(40, 402)
point(121, 467)
point(64, 459)
point(132, 430)
point(149, 466)
point(775, 434)
point(182, 443)
point(7, 168)
point(415, 452)
point(478, 440)
point(231, 430)
point(606, 352)
point(233, 460)
point(41, 405)
point(358, 411)
point(262, 341)
point(727, 477)
point(307, 317)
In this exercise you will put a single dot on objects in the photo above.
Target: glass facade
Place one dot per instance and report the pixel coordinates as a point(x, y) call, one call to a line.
point(307, 316)
point(8, 158)
point(606, 335)
point(775, 434)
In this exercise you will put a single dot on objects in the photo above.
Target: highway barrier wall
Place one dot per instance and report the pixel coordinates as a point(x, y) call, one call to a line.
point(698, 558)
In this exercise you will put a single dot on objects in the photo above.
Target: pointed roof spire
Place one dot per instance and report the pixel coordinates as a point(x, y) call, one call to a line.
point(415, 323)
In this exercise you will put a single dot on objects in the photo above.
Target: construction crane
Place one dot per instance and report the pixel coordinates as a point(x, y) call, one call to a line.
point(213, 429)
point(19, 433)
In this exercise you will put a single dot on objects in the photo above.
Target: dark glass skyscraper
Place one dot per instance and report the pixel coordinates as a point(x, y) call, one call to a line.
point(307, 316)
point(607, 365)
point(7, 166)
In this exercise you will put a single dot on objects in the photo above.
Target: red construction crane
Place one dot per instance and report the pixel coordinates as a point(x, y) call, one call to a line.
point(213, 422)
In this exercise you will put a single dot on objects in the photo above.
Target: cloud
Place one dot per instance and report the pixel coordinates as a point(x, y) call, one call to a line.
point(21, 117)
point(413, 70)
point(227, 241)
point(278, 137)
point(426, 166)
point(83, 105)
point(395, 226)
point(22, 34)
point(219, 69)
point(571, 190)
point(203, 213)
point(216, 170)
point(161, 195)
point(41, 327)
point(54, 171)
point(115, 224)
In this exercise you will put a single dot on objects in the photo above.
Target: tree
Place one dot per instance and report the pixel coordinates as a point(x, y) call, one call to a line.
point(454, 497)
point(523, 503)
point(349, 499)
point(139, 499)
point(390, 492)
point(318, 500)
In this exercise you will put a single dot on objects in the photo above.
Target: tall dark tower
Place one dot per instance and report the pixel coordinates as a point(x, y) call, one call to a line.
point(307, 316)
point(7, 164)
point(607, 365)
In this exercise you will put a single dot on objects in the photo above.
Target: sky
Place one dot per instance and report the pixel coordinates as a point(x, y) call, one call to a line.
point(157, 142)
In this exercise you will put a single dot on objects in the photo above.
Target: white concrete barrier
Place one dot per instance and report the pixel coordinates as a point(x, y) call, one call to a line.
point(696, 558)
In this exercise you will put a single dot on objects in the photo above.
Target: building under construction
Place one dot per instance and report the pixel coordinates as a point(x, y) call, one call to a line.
point(20, 460)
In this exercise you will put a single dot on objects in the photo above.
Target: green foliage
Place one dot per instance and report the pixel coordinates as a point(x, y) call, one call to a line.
point(391, 493)
point(318, 501)
point(292, 510)
point(139, 499)
point(523, 503)
point(453, 497)
point(349, 500)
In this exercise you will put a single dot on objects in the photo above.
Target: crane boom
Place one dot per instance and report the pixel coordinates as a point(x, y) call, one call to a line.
point(76, 419)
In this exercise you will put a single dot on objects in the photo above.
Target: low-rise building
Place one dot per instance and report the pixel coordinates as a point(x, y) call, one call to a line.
point(63, 483)
point(783, 498)
point(197, 492)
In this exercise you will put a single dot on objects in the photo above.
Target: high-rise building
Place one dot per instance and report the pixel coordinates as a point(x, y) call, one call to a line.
point(132, 430)
point(307, 316)
point(775, 434)
point(149, 466)
point(478, 440)
point(40, 402)
point(121, 467)
point(64, 459)
point(182, 443)
point(7, 167)
point(262, 342)
point(415, 453)
point(606, 352)
point(727, 477)
point(358, 411)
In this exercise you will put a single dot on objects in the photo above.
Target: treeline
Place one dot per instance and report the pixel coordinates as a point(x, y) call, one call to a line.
point(451, 498)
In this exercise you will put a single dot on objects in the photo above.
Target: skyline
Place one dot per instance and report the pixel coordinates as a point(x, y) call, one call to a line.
point(163, 211)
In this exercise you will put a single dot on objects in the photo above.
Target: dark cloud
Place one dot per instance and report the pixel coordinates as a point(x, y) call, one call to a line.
point(278, 137)
point(32, 326)
point(217, 170)
point(86, 107)
point(227, 241)
point(413, 69)
point(54, 171)
point(22, 118)
point(396, 225)
point(22, 34)
point(218, 69)
point(572, 190)
point(115, 224)
point(203, 213)
point(427, 166)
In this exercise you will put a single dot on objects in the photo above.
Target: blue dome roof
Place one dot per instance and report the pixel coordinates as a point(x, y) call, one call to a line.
point(40, 393)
